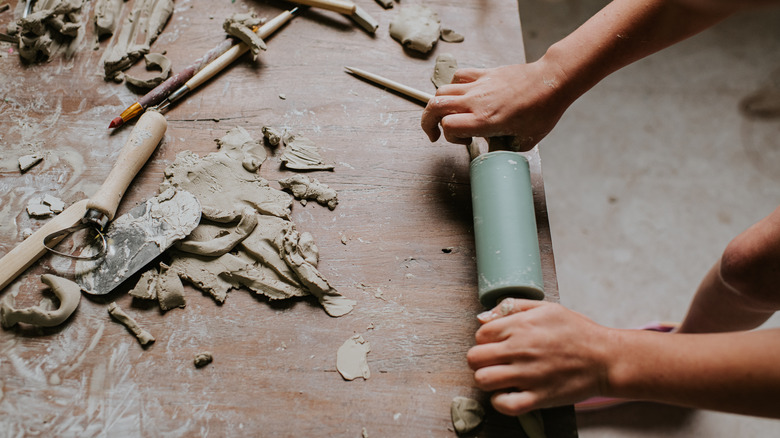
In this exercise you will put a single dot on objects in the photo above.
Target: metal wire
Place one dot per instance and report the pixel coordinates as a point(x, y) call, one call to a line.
point(50, 242)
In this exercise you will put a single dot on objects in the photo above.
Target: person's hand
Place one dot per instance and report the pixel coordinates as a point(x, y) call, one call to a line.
point(537, 354)
point(524, 101)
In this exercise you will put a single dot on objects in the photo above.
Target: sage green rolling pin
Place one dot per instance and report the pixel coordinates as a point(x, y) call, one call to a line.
point(508, 261)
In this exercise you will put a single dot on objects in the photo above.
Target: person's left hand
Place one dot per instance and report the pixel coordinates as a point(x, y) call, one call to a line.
point(537, 354)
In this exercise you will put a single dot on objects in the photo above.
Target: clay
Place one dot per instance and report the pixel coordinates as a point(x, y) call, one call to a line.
point(300, 153)
point(144, 338)
point(272, 135)
point(106, 16)
point(47, 31)
point(239, 145)
point(444, 71)
point(203, 359)
point(170, 291)
point(450, 36)
point(351, 358)
point(416, 27)
point(387, 4)
point(241, 26)
point(26, 162)
point(466, 414)
point(146, 287)
point(140, 29)
point(66, 291)
point(214, 240)
point(303, 187)
point(205, 273)
point(44, 207)
point(154, 61)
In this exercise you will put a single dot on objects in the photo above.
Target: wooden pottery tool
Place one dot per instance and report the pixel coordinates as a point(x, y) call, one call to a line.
point(138, 237)
point(505, 233)
point(224, 60)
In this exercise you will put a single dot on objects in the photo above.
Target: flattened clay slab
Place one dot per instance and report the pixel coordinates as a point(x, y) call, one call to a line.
point(300, 153)
point(417, 27)
point(444, 71)
point(351, 358)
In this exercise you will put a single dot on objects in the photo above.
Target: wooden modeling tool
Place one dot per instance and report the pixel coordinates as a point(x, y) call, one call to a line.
point(345, 7)
point(505, 233)
point(227, 58)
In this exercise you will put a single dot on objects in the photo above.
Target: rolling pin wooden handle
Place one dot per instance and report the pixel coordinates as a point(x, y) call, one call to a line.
point(143, 140)
point(341, 6)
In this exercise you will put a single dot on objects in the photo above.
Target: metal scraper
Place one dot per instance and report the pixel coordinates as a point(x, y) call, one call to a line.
point(138, 237)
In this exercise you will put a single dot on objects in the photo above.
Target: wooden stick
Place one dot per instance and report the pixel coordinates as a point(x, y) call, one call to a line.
point(341, 6)
point(406, 90)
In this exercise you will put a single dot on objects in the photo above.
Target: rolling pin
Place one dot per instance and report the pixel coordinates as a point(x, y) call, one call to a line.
point(505, 234)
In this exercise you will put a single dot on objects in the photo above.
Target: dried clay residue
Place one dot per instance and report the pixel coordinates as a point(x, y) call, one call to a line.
point(245, 237)
point(351, 358)
point(300, 153)
point(139, 31)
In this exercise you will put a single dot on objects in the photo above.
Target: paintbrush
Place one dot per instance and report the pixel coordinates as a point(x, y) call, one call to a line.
point(224, 60)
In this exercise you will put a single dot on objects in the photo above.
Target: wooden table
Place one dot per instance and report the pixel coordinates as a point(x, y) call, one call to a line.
point(403, 201)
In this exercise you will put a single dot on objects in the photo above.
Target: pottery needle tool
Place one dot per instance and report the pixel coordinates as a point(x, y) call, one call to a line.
point(224, 60)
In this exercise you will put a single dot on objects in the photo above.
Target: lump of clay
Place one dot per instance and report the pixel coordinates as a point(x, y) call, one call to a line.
point(154, 61)
point(106, 16)
point(26, 162)
point(66, 291)
point(146, 287)
point(450, 36)
point(444, 71)
point(141, 28)
point(303, 187)
point(272, 135)
point(47, 31)
point(210, 239)
point(144, 338)
point(203, 359)
point(170, 291)
point(241, 26)
point(239, 145)
point(300, 153)
point(351, 359)
point(417, 27)
point(466, 414)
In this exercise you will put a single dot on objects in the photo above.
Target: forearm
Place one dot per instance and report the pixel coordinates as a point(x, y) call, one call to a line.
point(732, 372)
point(624, 31)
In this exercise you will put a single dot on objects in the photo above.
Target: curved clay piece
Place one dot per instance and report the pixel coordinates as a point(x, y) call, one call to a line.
point(153, 61)
point(144, 338)
point(417, 27)
point(466, 414)
point(225, 241)
point(68, 292)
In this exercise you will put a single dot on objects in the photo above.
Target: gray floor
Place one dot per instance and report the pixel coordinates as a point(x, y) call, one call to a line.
point(649, 176)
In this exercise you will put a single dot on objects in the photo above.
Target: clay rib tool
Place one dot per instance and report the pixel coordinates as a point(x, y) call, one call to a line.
point(161, 91)
point(505, 234)
point(225, 59)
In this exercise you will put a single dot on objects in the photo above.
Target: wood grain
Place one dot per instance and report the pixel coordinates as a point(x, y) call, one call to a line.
point(404, 212)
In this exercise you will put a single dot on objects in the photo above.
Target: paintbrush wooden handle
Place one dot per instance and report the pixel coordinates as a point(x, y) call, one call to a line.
point(31, 249)
point(341, 6)
point(393, 85)
point(143, 140)
point(236, 51)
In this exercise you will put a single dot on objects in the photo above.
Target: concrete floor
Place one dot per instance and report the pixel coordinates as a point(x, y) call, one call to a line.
point(648, 177)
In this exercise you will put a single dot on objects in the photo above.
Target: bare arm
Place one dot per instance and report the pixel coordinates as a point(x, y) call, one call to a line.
point(527, 100)
point(538, 354)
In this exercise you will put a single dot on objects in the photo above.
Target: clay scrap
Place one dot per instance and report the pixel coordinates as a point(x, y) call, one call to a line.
point(203, 359)
point(140, 29)
point(416, 27)
point(67, 292)
point(45, 206)
point(300, 153)
point(242, 26)
point(303, 188)
point(26, 162)
point(52, 27)
point(245, 238)
point(107, 16)
point(466, 413)
point(450, 36)
point(154, 61)
point(351, 358)
point(387, 4)
point(444, 71)
point(144, 338)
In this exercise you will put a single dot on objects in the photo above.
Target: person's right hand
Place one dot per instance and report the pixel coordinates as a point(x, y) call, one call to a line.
point(524, 101)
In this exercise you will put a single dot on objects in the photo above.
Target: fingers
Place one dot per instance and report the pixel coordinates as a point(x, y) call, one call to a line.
point(514, 403)
point(438, 108)
point(465, 75)
point(508, 306)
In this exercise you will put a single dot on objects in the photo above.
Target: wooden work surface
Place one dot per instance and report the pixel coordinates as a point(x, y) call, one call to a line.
point(402, 199)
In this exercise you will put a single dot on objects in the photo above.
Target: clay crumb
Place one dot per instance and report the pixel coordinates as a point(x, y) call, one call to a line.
point(273, 135)
point(203, 359)
point(450, 36)
point(387, 4)
point(282, 96)
point(303, 187)
point(46, 206)
point(351, 358)
point(4, 7)
point(364, 432)
point(144, 338)
point(26, 162)
point(466, 414)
